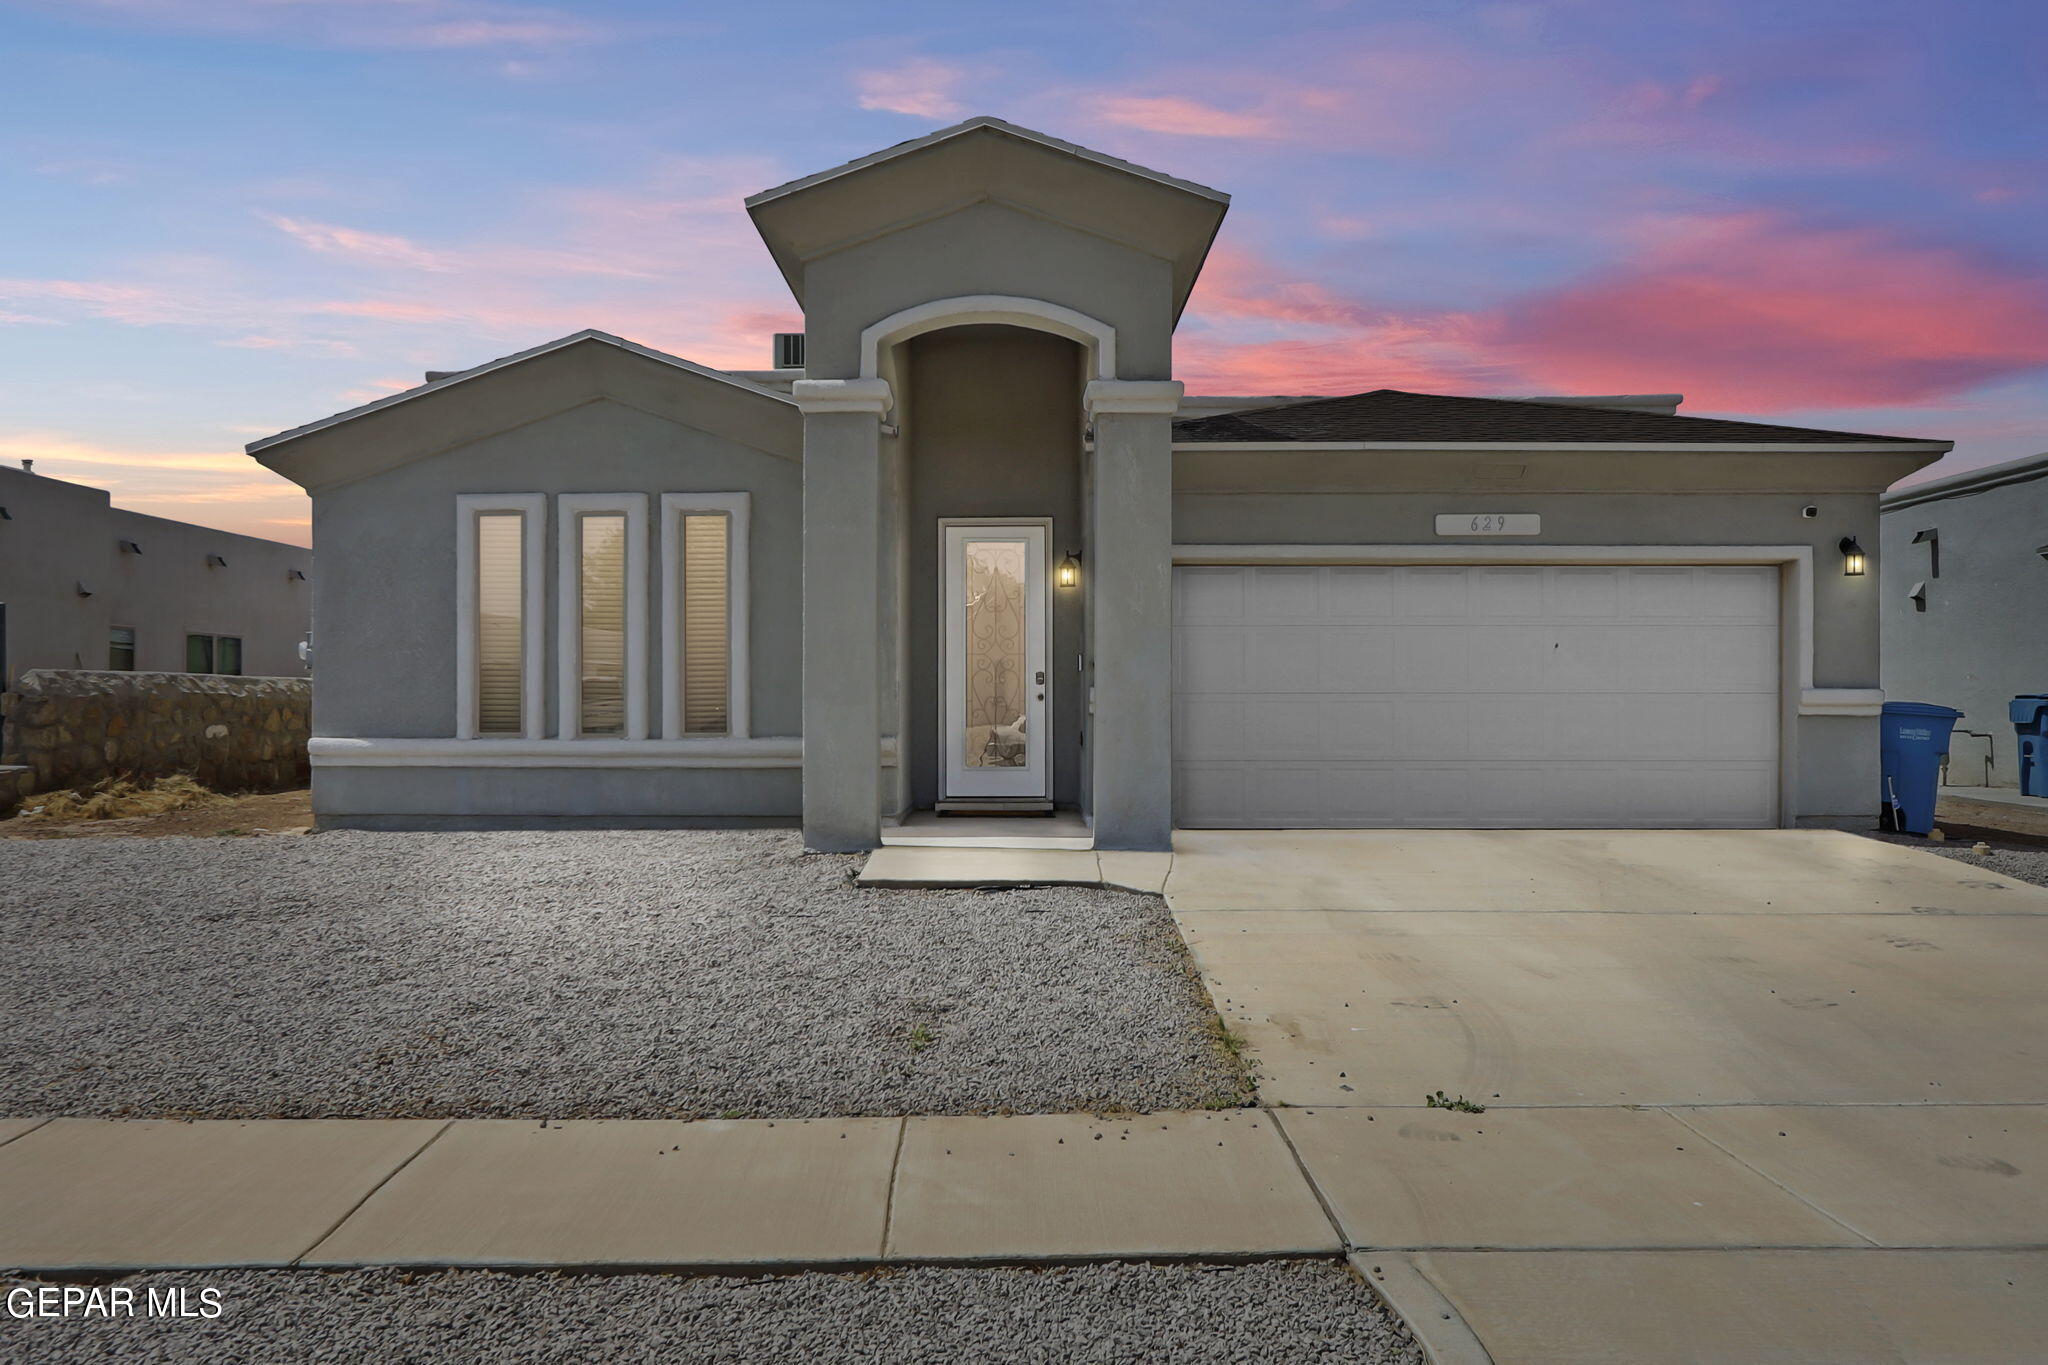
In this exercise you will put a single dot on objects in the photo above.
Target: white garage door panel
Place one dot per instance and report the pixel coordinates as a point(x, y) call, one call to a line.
point(1475, 696)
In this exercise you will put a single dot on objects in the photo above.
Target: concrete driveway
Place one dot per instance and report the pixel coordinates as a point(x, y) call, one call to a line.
point(1811, 1063)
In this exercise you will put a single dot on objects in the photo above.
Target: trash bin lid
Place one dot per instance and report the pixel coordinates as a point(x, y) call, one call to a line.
point(1921, 708)
point(2027, 710)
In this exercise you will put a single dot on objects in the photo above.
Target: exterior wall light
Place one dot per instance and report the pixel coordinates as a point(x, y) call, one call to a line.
point(1852, 557)
point(1070, 571)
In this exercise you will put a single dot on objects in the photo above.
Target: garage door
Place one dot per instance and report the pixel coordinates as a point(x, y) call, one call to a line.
point(1463, 696)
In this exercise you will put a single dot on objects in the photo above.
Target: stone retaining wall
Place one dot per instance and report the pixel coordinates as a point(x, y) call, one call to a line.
point(72, 727)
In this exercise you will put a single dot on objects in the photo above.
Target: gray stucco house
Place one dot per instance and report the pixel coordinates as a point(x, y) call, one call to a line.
point(981, 552)
point(87, 585)
point(1965, 579)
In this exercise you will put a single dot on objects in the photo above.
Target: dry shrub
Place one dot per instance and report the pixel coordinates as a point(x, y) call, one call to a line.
point(114, 798)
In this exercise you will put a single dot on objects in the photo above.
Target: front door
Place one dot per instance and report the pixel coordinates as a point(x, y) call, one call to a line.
point(994, 741)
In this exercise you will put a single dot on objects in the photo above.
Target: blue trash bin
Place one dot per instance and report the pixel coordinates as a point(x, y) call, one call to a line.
point(2030, 723)
point(1915, 740)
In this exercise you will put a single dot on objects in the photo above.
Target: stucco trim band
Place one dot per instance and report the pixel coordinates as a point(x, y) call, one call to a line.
point(776, 752)
point(1139, 396)
point(843, 395)
point(968, 309)
point(1841, 701)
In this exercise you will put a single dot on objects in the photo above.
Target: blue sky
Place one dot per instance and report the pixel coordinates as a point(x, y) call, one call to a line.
point(232, 216)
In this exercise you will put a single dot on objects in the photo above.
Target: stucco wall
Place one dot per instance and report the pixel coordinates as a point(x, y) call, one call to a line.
point(989, 249)
point(384, 608)
point(994, 431)
point(1833, 758)
point(73, 728)
point(1984, 636)
point(60, 535)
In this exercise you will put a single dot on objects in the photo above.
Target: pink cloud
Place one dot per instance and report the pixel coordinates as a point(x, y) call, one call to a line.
point(1756, 312)
point(375, 248)
point(1182, 117)
point(448, 25)
point(920, 87)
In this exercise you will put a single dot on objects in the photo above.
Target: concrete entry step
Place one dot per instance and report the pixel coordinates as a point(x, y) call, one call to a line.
point(896, 866)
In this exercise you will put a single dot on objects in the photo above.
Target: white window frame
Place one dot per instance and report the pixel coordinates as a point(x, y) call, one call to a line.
point(533, 701)
point(569, 511)
point(737, 508)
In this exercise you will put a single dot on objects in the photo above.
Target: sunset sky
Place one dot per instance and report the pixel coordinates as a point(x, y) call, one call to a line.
point(227, 217)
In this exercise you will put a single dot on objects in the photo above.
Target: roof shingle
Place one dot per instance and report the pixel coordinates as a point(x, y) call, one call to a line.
point(1394, 415)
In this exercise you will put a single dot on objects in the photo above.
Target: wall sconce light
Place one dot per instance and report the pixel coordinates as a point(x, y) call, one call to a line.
point(1070, 571)
point(1852, 557)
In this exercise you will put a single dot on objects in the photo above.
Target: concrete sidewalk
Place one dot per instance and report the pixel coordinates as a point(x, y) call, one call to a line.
point(1533, 1234)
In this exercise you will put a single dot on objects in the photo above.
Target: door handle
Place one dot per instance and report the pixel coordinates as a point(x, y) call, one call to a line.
point(1040, 679)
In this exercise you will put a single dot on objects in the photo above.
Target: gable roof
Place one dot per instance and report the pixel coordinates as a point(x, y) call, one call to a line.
point(460, 409)
point(984, 160)
point(502, 362)
point(989, 121)
point(1395, 417)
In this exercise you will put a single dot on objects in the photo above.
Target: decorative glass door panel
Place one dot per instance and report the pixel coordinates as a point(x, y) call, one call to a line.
point(995, 647)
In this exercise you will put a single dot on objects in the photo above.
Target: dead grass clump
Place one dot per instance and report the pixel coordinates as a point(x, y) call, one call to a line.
point(116, 798)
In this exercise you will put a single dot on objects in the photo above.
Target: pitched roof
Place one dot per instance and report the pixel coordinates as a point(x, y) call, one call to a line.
point(1391, 416)
point(993, 124)
point(451, 378)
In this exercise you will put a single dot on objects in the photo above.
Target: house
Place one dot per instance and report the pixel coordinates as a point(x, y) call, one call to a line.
point(1964, 576)
point(87, 585)
point(967, 559)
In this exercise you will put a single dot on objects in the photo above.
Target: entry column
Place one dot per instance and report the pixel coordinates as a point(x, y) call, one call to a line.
point(1130, 598)
point(842, 611)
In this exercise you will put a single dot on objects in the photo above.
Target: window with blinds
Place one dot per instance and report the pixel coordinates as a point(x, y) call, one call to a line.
point(500, 623)
point(601, 569)
point(706, 597)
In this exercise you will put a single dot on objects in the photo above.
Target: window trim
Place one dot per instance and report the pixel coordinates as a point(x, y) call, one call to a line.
point(738, 510)
point(570, 508)
point(533, 568)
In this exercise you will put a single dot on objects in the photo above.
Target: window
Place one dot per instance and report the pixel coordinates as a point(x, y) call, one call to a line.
point(704, 614)
point(213, 654)
point(499, 542)
point(121, 649)
point(603, 677)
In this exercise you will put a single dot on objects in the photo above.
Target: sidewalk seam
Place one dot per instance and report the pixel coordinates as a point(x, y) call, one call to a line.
point(26, 1131)
point(889, 1197)
point(1343, 1240)
point(1707, 1138)
point(370, 1193)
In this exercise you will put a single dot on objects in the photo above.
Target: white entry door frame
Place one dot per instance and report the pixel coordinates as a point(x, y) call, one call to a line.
point(993, 717)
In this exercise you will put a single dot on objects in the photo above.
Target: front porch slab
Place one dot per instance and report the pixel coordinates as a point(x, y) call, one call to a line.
point(501, 1192)
point(1075, 1185)
point(99, 1194)
point(900, 866)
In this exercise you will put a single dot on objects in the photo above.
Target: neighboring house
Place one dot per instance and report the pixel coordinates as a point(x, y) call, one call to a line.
point(84, 584)
point(1965, 583)
point(968, 559)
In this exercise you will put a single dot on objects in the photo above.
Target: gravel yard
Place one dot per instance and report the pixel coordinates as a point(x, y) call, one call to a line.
point(1276, 1311)
point(2025, 861)
point(619, 974)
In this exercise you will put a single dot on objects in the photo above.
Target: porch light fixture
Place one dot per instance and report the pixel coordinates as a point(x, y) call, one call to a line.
point(1070, 571)
point(1852, 557)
